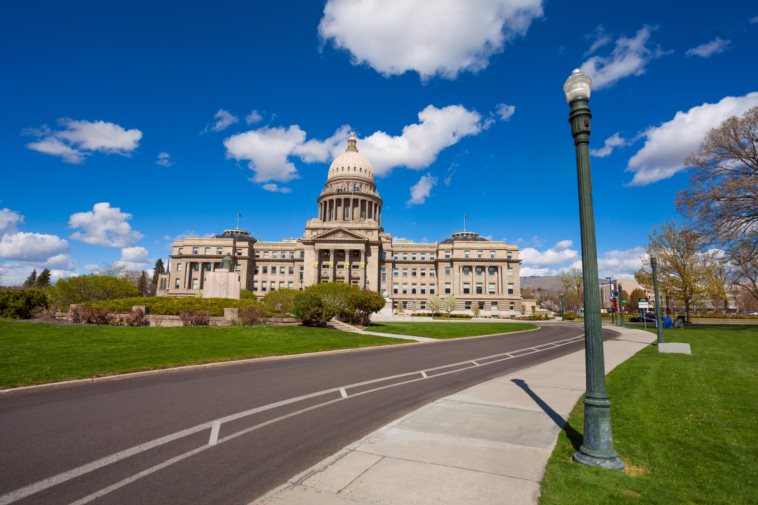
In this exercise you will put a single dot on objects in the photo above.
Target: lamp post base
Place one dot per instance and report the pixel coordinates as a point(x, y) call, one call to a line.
point(613, 463)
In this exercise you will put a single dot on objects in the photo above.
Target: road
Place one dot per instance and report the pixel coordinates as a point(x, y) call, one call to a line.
point(226, 435)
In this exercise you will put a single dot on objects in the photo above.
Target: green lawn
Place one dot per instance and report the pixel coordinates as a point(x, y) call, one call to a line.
point(686, 427)
point(32, 353)
point(448, 330)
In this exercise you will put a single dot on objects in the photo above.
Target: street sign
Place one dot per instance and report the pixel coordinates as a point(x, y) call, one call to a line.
point(615, 294)
point(643, 303)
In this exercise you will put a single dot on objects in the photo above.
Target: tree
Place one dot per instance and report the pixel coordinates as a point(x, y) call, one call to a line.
point(90, 288)
point(142, 284)
point(434, 304)
point(633, 300)
point(157, 271)
point(716, 281)
point(43, 279)
point(573, 289)
point(449, 303)
point(743, 259)
point(722, 200)
point(280, 301)
point(31, 281)
point(681, 264)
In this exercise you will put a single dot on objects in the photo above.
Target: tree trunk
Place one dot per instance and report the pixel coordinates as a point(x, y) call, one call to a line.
point(687, 310)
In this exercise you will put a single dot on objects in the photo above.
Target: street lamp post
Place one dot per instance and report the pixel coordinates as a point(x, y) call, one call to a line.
point(610, 298)
point(597, 445)
point(621, 304)
point(658, 327)
point(561, 306)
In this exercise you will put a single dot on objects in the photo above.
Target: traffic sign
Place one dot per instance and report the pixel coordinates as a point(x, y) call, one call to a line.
point(615, 293)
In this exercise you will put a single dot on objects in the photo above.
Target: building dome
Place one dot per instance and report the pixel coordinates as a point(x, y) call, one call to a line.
point(351, 164)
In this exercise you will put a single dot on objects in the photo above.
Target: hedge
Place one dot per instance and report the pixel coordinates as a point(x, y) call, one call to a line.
point(22, 303)
point(168, 306)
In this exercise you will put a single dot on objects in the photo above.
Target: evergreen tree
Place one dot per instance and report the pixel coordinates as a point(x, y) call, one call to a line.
point(142, 284)
point(31, 281)
point(43, 279)
point(157, 270)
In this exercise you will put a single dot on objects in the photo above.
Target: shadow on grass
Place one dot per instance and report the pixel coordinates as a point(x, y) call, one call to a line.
point(574, 436)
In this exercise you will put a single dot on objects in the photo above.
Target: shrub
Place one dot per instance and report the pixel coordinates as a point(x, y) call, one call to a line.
point(569, 316)
point(251, 315)
point(190, 318)
point(246, 294)
point(280, 301)
point(89, 288)
point(22, 303)
point(92, 315)
point(137, 318)
point(535, 317)
point(362, 304)
point(335, 295)
point(169, 306)
point(311, 310)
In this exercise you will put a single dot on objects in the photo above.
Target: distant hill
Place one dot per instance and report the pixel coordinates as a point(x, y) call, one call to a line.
point(546, 282)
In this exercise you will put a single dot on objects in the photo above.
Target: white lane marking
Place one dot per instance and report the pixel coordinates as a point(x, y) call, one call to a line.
point(89, 467)
point(477, 364)
point(343, 393)
point(214, 433)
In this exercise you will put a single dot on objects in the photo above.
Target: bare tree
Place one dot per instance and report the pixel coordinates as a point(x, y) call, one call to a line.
point(743, 259)
point(722, 200)
point(573, 289)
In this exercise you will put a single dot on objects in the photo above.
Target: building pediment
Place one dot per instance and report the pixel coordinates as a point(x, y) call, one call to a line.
point(339, 234)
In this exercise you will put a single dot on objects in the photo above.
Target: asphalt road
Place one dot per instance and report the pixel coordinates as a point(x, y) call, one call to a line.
point(227, 435)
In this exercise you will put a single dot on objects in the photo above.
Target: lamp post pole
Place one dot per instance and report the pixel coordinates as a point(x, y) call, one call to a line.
point(658, 326)
point(561, 306)
point(621, 305)
point(597, 445)
point(610, 297)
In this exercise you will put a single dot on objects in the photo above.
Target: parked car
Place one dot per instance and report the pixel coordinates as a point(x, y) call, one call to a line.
point(649, 317)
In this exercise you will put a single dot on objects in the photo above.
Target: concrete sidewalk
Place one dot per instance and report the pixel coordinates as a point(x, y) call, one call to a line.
point(487, 444)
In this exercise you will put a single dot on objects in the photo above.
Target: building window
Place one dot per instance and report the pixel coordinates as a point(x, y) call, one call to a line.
point(467, 305)
point(413, 272)
point(177, 282)
point(512, 306)
point(466, 288)
point(405, 272)
point(510, 271)
point(491, 270)
point(396, 272)
point(255, 286)
point(413, 256)
point(481, 305)
point(510, 288)
point(423, 257)
point(394, 288)
point(432, 272)
point(422, 305)
point(431, 257)
point(432, 289)
point(257, 254)
point(509, 256)
point(195, 283)
point(238, 268)
point(291, 270)
point(265, 254)
point(384, 274)
point(292, 255)
point(178, 267)
point(448, 289)
point(281, 284)
point(492, 255)
point(290, 284)
point(466, 270)
point(239, 251)
point(405, 256)
point(413, 289)
point(302, 254)
point(491, 288)
point(447, 270)
point(194, 250)
point(423, 289)
point(263, 286)
point(181, 250)
point(219, 250)
point(395, 256)
point(272, 285)
point(207, 251)
point(479, 288)
point(196, 267)
point(447, 254)
point(405, 289)
point(282, 270)
point(478, 254)
point(265, 269)
point(494, 306)
point(465, 253)
point(422, 272)
point(479, 270)
point(208, 267)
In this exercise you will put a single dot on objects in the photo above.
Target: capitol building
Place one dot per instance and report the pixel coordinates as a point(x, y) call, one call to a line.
point(346, 243)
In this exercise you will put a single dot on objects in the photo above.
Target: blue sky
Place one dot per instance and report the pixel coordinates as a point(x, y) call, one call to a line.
point(127, 125)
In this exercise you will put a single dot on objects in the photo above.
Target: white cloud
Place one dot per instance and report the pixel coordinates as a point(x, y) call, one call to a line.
point(79, 138)
point(253, 117)
point(716, 46)
point(133, 259)
point(629, 57)
point(14, 274)
point(104, 225)
point(444, 37)
point(539, 272)
point(422, 189)
point(620, 263)
point(275, 188)
point(8, 221)
point(504, 111)
point(269, 150)
point(223, 120)
point(26, 246)
point(62, 261)
point(599, 39)
point(612, 142)
point(560, 253)
point(164, 160)
point(666, 146)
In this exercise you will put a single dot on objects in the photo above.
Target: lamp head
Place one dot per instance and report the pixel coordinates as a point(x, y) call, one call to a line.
point(578, 85)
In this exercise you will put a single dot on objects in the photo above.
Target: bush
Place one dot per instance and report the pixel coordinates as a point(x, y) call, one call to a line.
point(362, 303)
point(535, 317)
point(137, 318)
point(22, 303)
point(190, 318)
point(251, 315)
point(311, 310)
point(246, 294)
point(335, 295)
point(280, 301)
point(169, 306)
point(91, 315)
point(89, 288)
point(569, 316)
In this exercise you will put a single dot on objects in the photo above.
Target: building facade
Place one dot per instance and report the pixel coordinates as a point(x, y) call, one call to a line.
point(347, 243)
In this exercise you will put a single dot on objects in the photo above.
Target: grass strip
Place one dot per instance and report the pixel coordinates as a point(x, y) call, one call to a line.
point(32, 353)
point(685, 426)
point(448, 330)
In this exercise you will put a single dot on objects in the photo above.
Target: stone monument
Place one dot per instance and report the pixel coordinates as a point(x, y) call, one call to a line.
point(224, 282)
